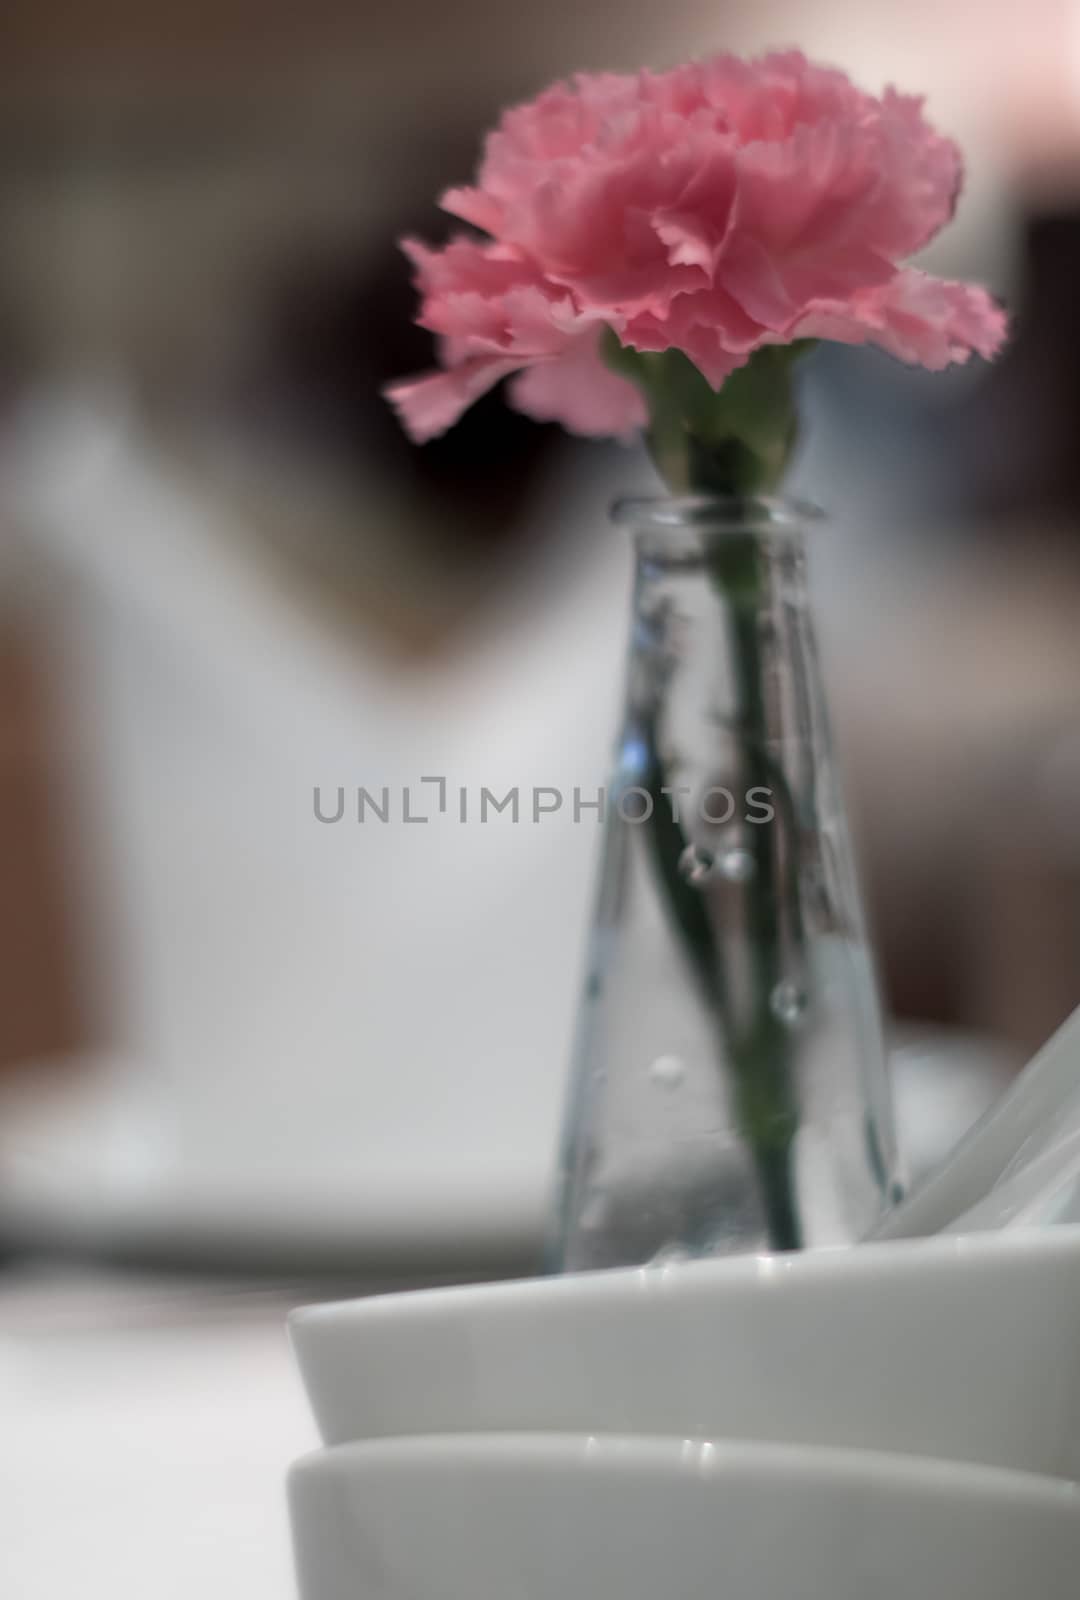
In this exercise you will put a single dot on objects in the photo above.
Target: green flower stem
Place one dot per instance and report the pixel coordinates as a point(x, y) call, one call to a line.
point(759, 1054)
point(685, 904)
point(734, 442)
point(759, 1045)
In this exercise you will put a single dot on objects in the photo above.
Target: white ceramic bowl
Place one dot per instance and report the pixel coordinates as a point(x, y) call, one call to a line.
point(562, 1517)
point(966, 1349)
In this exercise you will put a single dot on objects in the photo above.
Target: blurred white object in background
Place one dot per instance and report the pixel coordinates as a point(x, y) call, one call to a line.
point(348, 1036)
point(1019, 1166)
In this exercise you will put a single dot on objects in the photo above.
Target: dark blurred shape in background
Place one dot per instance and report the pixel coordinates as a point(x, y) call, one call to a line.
point(39, 1004)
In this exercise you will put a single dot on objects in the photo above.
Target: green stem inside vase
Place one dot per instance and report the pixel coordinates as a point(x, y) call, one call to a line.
point(753, 1040)
point(757, 1038)
point(735, 442)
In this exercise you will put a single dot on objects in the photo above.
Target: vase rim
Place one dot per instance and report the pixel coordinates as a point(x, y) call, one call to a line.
point(780, 516)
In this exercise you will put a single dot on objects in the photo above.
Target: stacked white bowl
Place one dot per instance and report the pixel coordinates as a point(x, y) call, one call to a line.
point(891, 1422)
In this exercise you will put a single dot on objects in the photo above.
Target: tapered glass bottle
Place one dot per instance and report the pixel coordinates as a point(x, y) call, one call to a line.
point(729, 1090)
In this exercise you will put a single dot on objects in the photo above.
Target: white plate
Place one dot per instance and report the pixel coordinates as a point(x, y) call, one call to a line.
point(579, 1518)
point(966, 1349)
point(92, 1161)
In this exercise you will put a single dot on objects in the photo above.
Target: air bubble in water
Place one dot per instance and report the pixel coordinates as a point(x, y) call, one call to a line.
point(667, 1072)
point(737, 865)
point(789, 1002)
point(696, 865)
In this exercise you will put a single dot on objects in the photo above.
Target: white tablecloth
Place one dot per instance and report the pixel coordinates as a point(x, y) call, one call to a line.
point(147, 1431)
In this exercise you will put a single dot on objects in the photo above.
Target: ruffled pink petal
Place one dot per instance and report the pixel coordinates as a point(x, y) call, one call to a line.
point(696, 225)
point(773, 290)
point(593, 227)
point(483, 300)
point(428, 405)
point(467, 265)
point(689, 241)
point(926, 321)
point(473, 206)
point(712, 329)
point(923, 176)
point(577, 390)
point(802, 229)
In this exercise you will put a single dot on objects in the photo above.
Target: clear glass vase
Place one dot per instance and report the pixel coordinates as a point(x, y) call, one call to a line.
point(730, 1090)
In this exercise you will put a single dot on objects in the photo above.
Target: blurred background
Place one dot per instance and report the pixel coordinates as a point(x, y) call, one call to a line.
point(236, 1040)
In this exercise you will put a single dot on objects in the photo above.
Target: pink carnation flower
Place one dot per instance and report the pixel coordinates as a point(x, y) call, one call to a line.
point(712, 209)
